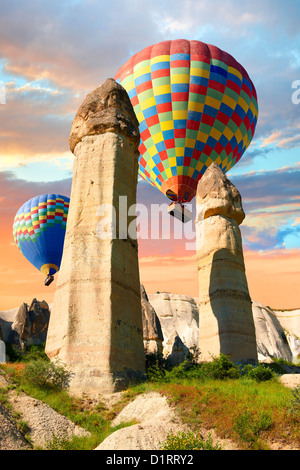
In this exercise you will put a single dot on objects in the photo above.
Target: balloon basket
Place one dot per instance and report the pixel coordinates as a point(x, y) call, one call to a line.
point(180, 212)
point(48, 280)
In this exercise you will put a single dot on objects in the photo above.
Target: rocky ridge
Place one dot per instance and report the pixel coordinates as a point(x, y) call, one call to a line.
point(42, 421)
point(277, 332)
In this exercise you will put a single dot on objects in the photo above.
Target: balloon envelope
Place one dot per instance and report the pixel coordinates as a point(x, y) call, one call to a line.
point(195, 105)
point(39, 231)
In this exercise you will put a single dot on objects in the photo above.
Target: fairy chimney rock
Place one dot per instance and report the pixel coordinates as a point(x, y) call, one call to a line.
point(225, 312)
point(96, 321)
point(218, 196)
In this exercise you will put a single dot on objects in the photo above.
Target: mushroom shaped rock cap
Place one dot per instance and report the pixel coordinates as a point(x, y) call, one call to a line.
point(105, 109)
point(216, 195)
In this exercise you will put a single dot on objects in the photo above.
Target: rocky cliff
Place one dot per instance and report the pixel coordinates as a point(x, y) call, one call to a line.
point(277, 332)
point(27, 324)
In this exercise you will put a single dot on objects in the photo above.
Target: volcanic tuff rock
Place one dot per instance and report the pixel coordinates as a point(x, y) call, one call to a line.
point(105, 109)
point(31, 323)
point(43, 423)
point(277, 332)
point(176, 313)
point(179, 317)
point(156, 419)
point(271, 338)
point(96, 321)
point(152, 334)
point(216, 195)
point(225, 314)
point(7, 318)
point(28, 323)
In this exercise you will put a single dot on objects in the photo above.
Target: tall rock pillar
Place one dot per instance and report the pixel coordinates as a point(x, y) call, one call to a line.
point(226, 324)
point(95, 326)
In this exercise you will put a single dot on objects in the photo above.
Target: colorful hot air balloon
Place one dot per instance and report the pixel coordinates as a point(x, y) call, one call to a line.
point(195, 105)
point(39, 232)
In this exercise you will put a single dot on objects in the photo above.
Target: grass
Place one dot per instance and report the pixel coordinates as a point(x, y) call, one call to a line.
point(46, 382)
point(92, 416)
point(247, 412)
point(245, 404)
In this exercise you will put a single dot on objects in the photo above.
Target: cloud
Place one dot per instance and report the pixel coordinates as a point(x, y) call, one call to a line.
point(54, 52)
point(272, 205)
point(75, 45)
point(269, 188)
point(36, 123)
point(270, 266)
point(271, 139)
point(14, 192)
point(287, 138)
point(237, 18)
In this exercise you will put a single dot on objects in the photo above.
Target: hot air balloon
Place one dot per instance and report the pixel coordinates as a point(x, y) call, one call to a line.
point(39, 232)
point(195, 105)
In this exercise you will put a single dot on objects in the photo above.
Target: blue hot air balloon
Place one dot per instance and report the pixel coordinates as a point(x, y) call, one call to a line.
point(39, 232)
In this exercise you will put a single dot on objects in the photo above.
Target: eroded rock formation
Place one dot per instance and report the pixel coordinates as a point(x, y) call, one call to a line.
point(225, 313)
point(96, 322)
point(31, 323)
point(152, 333)
point(178, 316)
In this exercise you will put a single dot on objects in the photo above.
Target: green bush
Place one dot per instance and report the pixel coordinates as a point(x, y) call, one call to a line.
point(248, 426)
point(221, 368)
point(188, 441)
point(294, 409)
point(218, 368)
point(58, 443)
point(156, 374)
point(155, 367)
point(35, 351)
point(47, 375)
point(259, 373)
point(13, 353)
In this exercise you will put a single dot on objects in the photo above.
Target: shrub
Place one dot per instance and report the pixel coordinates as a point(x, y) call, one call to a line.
point(13, 353)
point(156, 374)
point(155, 367)
point(188, 441)
point(221, 368)
point(294, 409)
point(259, 373)
point(218, 368)
point(47, 375)
point(35, 351)
point(248, 426)
point(59, 443)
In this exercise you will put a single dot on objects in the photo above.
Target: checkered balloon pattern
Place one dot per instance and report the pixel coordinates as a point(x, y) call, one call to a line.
point(39, 230)
point(195, 105)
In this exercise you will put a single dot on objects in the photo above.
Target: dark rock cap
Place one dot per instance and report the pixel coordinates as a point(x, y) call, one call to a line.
point(105, 109)
point(218, 195)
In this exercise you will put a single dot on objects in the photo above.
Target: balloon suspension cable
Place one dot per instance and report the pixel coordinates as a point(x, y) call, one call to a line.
point(49, 279)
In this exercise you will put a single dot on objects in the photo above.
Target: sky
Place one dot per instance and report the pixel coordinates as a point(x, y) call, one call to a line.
point(52, 53)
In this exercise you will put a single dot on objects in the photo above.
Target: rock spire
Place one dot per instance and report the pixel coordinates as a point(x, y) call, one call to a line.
point(225, 312)
point(96, 322)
